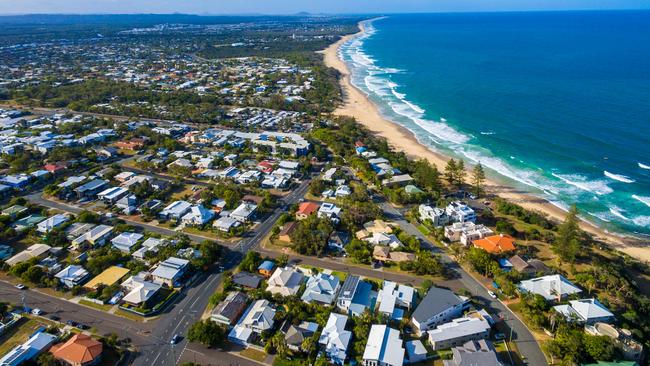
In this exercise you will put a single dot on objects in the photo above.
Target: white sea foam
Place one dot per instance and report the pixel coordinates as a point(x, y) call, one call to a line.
point(643, 166)
point(642, 199)
point(600, 215)
point(619, 177)
point(598, 187)
point(642, 221)
point(618, 213)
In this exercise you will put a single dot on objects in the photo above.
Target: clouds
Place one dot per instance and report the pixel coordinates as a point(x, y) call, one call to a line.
point(216, 7)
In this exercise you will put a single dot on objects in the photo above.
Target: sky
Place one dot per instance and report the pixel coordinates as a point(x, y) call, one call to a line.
point(216, 7)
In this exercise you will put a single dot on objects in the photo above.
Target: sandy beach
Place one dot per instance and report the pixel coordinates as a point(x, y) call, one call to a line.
point(357, 105)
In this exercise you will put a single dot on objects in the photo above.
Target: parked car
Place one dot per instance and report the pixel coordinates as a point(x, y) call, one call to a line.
point(492, 294)
point(20, 286)
point(55, 318)
point(71, 323)
point(37, 311)
point(82, 326)
point(499, 336)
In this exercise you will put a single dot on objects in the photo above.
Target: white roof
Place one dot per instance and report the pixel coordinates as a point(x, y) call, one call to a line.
point(584, 309)
point(321, 288)
point(140, 290)
point(260, 315)
point(334, 336)
point(169, 268)
point(71, 272)
point(126, 240)
point(460, 327)
point(34, 345)
point(285, 281)
point(550, 287)
point(384, 345)
point(52, 222)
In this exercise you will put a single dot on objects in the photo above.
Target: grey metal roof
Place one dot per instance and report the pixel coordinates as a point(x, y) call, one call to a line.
point(436, 301)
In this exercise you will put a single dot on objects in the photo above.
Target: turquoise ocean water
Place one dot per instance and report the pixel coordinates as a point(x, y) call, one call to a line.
point(554, 103)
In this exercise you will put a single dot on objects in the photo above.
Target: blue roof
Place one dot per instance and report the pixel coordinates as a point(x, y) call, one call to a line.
point(266, 265)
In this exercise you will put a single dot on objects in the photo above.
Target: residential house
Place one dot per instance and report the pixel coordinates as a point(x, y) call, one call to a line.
point(96, 236)
point(459, 331)
point(266, 268)
point(27, 222)
point(528, 267)
point(285, 281)
point(437, 215)
point(384, 239)
point(295, 335)
point(473, 353)
point(128, 204)
point(198, 216)
point(305, 209)
point(170, 270)
point(139, 291)
point(415, 351)
point(38, 343)
point(330, 211)
point(108, 277)
point(112, 195)
point(126, 241)
point(230, 309)
point(355, 296)
point(551, 287)
point(466, 232)
point(244, 212)
point(72, 275)
point(259, 316)
point(287, 229)
point(459, 212)
point(90, 189)
point(384, 347)
point(321, 288)
point(438, 306)
point(79, 350)
point(588, 311)
point(397, 180)
point(14, 211)
point(226, 224)
point(338, 240)
point(335, 339)
point(149, 245)
point(33, 251)
point(175, 210)
point(246, 279)
point(496, 244)
point(392, 295)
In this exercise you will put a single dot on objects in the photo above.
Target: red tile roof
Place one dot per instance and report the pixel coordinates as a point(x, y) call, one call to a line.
point(496, 243)
point(80, 349)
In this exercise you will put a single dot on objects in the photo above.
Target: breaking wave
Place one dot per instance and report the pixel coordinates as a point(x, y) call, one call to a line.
point(619, 177)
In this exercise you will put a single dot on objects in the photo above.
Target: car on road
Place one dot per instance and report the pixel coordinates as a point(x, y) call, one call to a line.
point(175, 339)
point(71, 323)
point(37, 311)
point(20, 286)
point(55, 318)
point(492, 294)
point(81, 326)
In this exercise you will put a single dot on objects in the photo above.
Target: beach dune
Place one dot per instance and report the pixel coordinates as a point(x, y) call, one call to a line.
point(356, 104)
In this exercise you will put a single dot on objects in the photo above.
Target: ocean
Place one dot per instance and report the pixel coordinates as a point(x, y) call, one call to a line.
point(554, 103)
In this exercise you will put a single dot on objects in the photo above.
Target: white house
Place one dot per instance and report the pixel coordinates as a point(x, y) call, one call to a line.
point(258, 317)
point(126, 241)
point(170, 271)
point(198, 215)
point(244, 212)
point(51, 223)
point(466, 232)
point(139, 290)
point(72, 275)
point(175, 210)
point(392, 295)
point(438, 306)
point(225, 224)
point(588, 311)
point(460, 212)
point(552, 287)
point(321, 288)
point(437, 215)
point(329, 210)
point(384, 347)
point(384, 239)
point(335, 339)
point(458, 331)
point(285, 281)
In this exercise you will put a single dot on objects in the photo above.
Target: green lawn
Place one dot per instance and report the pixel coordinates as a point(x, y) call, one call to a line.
point(19, 333)
point(95, 306)
point(253, 354)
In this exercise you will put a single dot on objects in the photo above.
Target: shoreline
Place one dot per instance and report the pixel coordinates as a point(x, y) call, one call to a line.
point(357, 104)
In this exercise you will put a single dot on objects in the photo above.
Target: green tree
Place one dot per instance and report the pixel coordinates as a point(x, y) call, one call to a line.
point(478, 179)
point(311, 234)
point(600, 348)
point(46, 359)
point(450, 172)
point(208, 333)
point(567, 244)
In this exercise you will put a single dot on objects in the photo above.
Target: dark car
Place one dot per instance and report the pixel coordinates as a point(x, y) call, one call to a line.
point(175, 339)
point(55, 318)
point(71, 323)
point(82, 326)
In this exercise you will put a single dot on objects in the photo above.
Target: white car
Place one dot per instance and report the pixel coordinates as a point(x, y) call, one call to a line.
point(37, 311)
point(492, 294)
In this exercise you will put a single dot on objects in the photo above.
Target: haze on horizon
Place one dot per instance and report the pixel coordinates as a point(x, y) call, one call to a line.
point(211, 7)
